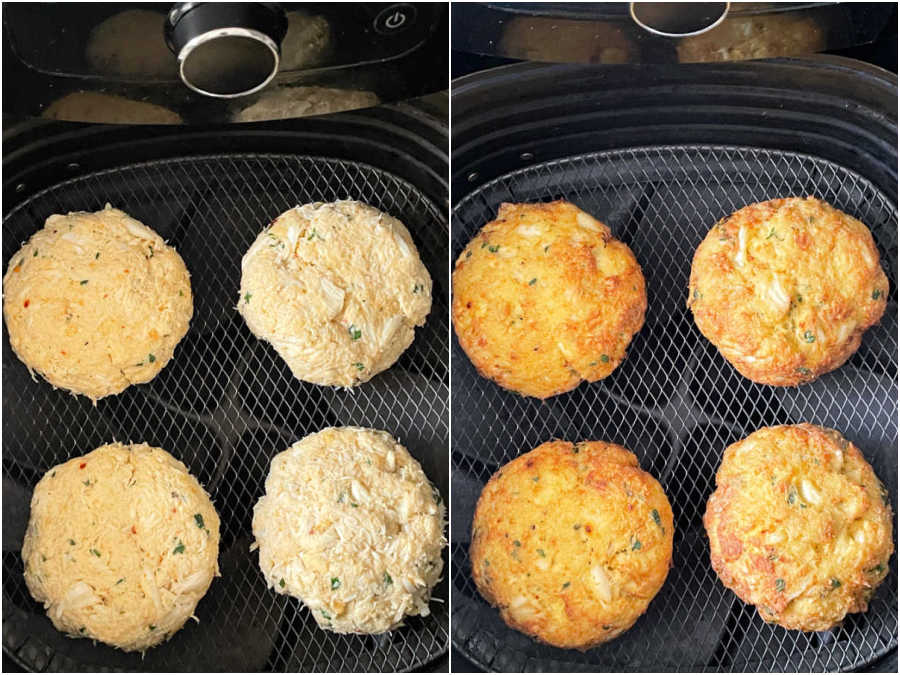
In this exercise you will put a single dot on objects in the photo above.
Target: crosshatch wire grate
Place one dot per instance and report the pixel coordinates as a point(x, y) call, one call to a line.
point(676, 403)
point(225, 405)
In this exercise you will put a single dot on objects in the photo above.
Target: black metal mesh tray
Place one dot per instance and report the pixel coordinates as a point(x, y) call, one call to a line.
point(676, 403)
point(225, 405)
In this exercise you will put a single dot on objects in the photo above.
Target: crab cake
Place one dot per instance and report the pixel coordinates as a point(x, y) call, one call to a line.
point(535, 38)
point(545, 297)
point(571, 542)
point(95, 302)
point(121, 545)
point(351, 526)
point(289, 102)
point(306, 43)
point(132, 43)
point(799, 525)
point(337, 289)
point(93, 106)
point(762, 36)
point(786, 288)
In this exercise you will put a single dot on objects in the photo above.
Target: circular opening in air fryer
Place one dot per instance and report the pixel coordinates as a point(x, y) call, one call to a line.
point(228, 62)
point(678, 19)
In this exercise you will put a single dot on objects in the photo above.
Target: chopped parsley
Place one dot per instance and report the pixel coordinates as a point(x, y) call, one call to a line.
point(87, 482)
point(152, 627)
point(179, 548)
point(517, 543)
point(151, 358)
point(120, 581)
point(771, 233)
point(809, 337)
point(151, 253)
point(84, 281)
point(359, 366)
point(655, 514)
point(36, 253)
point(779, 585)
point(604, 358)
point(418, 287)
point(576, 526)
point(494, 249)
point(95, 552)
point(325, 614)
point(247, 297)
point(804, 371)
point(567, 584)
point(198, 518)
point(281, 583)
point(792, 496)
point(387, 578)
point(878, 569)
point(96, 255)
point(354, 505)
point(876, 294)
point(532, 282)
point(335, 583)
point(355, 333)
point(541, 553)
point(71, 542)
point(697, 294)
point(636, 546)
point(835, 583)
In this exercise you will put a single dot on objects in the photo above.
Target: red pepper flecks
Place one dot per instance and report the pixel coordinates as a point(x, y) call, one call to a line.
point(26, 303)
point(133, 530)
point(82, 465)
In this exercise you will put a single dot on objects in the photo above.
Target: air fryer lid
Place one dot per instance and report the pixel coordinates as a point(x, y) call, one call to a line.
point(644, 32)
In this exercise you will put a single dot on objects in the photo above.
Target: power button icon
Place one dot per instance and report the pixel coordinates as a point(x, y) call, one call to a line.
point(395, 19)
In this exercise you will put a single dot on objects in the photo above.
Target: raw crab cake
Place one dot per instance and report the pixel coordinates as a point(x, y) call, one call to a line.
point(121, 545)
point(337, 289)
point(95, 302)
point(786, 288)
point(545, 297)
point(351, 526)
point(799, 525)
point(571, 542)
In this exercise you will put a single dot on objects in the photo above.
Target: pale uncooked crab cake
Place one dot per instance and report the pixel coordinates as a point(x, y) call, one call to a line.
point(337, 289)
point(786, 288)
point(121, 545)
point(350, 525)
point(571, 542)
point(545, 297)
point(799, 526)
point(96, 302)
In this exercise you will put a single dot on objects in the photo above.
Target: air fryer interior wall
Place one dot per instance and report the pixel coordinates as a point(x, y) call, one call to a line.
point(396, 51)
point(659, 154)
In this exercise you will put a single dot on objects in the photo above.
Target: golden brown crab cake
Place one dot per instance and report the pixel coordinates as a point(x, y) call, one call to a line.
point(799, 525)
point(545, 297)
point(786, 288)
point(571, 542)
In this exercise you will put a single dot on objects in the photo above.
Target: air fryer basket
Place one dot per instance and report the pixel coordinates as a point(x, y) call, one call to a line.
point(677, 404)
point(225, 405)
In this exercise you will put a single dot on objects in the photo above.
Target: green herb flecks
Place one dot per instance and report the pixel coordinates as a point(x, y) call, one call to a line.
point(198, 518)
point(151, 358)
point(86, 482)
point(779, 585)
point(418, 288)
point(335, 583)
point(247, 297)
point(83, 282)
point(517, 543)
point(387, 579)
point(354, 505)
point(81, 630)
point(179, 548)
point(151, 253)
point(359, 366)
point(697, 294)
point(636, 546)
point(835, 583)
point(281, 583)
point(791, 495)
point(120, 581)
point(809, 337)
point(36, 253)
point(532, 282)
point(806, 372)
point(494, 249)
point(95, 552)
point(656, 519)
point(355, 333)
point(96, 255)
point(541, 553)
point(604, 358)
point(878, 569)
point(567, 584)
point(876, 294)
point(325, 614)
point(71, 542)
point(152, 627)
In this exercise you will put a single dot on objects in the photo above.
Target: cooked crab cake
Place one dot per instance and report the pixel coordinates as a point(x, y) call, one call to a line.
point(545, 297)
point(799, 525)
point(306, 43)
point(280, 103)
point(762, 36)
point(132, 43)
point(95, 302)
point(351, 526)
point(535, 38)
point(571, 542)
point(786, 288)
point(121, 545)
point(337, 289)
